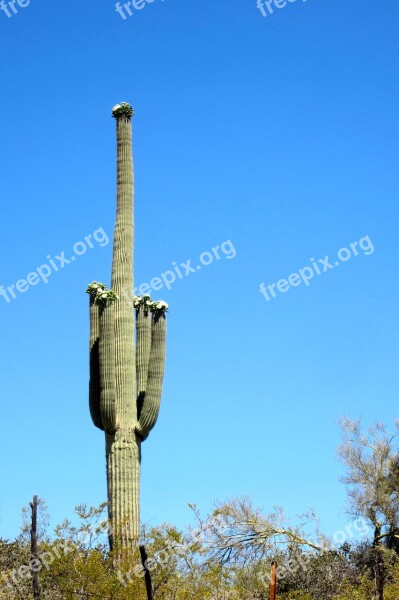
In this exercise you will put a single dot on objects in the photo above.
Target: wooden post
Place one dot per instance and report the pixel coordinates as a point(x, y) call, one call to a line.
point(33, 550)
point(147, 574)
point(273, 581)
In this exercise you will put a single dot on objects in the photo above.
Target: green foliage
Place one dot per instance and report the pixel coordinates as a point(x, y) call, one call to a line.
point(372, 478)
point(76, 563)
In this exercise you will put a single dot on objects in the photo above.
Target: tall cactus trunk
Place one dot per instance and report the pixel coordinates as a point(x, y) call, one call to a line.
point(123, 448)
point(125, 382)
point(122, 275)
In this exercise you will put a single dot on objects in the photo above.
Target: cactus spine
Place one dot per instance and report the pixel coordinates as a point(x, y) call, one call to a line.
point(125, 377)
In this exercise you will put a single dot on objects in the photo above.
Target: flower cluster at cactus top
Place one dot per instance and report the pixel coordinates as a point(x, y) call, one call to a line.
point(158, 307)
point(99, 292)
point(122, 110)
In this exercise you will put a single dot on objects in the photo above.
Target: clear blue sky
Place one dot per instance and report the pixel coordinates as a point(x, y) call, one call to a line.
point(278, 133)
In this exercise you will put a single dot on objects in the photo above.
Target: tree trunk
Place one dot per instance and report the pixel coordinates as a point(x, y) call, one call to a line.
point(379, 565)
point(33, 550)
point(147, 574)
point(273, 581)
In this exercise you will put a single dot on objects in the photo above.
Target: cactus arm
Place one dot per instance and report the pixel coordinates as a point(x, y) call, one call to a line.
point(143, 347)
point(94, 384)
point(152, 399)
point(107, 368)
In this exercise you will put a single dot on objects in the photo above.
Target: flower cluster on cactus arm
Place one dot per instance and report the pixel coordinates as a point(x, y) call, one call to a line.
point(122, 110)
point(98, 291)
point(157, 307)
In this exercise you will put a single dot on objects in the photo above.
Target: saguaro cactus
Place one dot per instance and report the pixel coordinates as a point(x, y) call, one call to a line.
point(125, 375)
